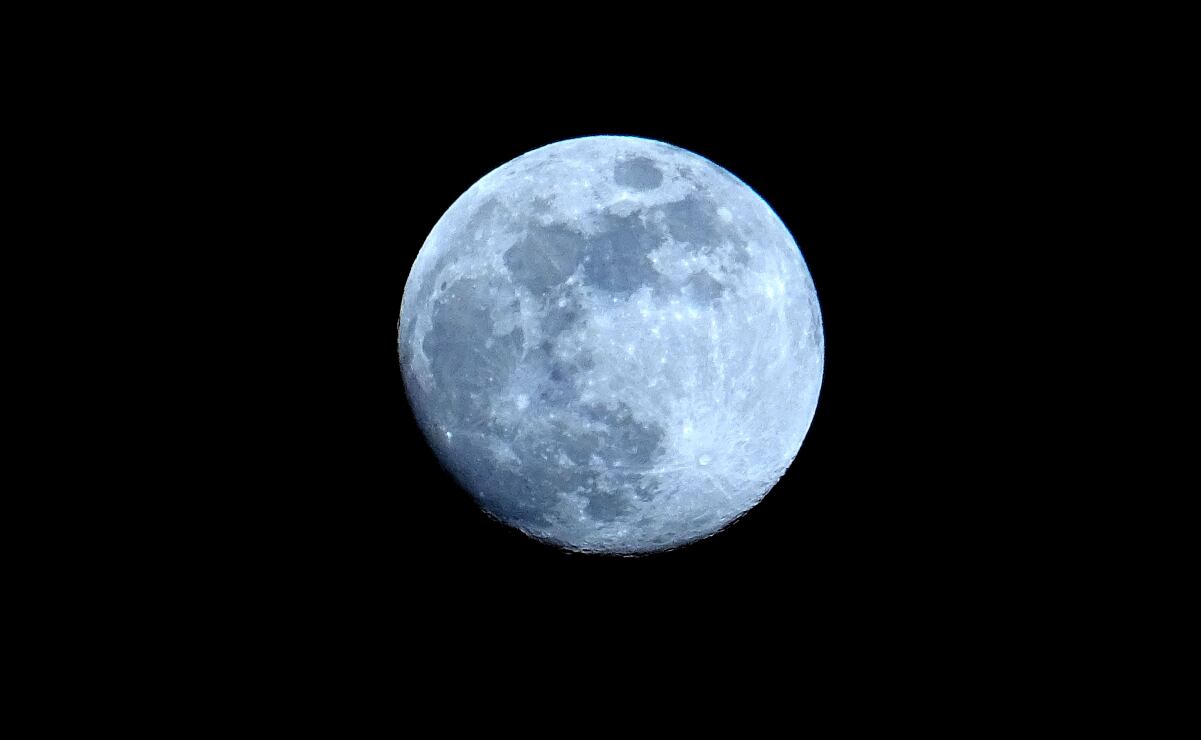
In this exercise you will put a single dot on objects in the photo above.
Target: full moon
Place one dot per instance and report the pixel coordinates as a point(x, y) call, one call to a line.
point(613, 344)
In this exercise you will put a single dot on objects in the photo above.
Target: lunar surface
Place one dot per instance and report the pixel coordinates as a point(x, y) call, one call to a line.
point(613, 344)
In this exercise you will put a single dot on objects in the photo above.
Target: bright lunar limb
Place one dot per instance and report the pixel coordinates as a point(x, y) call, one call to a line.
point(613, 344)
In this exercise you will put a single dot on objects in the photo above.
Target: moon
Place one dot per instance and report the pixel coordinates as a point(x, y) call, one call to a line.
point(613, 344)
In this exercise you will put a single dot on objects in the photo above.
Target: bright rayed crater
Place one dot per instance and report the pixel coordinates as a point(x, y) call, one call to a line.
point(613, 344)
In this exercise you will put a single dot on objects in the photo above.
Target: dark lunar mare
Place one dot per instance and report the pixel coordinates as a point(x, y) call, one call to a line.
point(468, 363)
point(618, 259)
point(603, 461)
point(637, 173)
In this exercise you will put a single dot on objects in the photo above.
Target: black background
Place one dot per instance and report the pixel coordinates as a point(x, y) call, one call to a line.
point(299, 520)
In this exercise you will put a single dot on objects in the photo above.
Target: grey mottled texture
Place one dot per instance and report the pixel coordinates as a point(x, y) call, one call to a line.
point(613, 344)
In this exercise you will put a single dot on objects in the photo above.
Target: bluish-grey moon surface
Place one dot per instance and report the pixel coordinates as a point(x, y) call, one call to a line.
point(613, 344)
